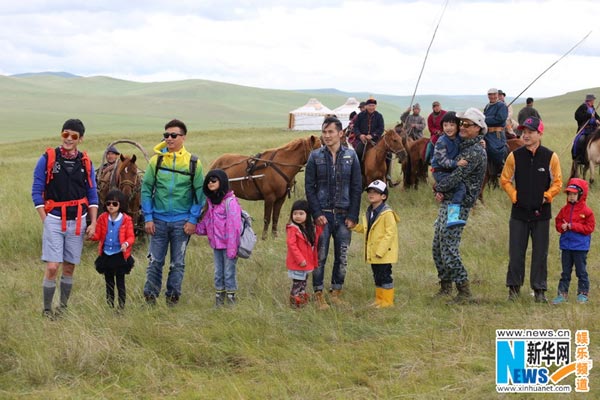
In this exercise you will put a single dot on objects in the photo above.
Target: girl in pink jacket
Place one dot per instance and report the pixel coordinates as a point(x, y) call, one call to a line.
point(222, 224)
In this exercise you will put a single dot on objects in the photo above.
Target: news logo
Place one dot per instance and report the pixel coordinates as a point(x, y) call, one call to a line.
point(536, 360)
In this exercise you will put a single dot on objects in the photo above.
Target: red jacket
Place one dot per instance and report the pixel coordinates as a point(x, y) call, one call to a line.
point(125, 233)
point(581, 218)
point(300, 250)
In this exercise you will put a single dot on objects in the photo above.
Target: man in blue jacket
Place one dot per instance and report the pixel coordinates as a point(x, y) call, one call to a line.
point(496, 114)
point(333, 185)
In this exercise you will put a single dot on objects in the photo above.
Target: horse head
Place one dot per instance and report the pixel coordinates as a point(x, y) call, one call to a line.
point(394, 142)
point(127, 176)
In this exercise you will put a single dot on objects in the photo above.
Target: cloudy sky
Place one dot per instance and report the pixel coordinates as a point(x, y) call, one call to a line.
point(367, 46)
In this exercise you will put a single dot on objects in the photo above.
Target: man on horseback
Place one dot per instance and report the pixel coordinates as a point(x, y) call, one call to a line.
point(369, 126)
point(587, 120)
point(434, 124)
point(105, 173)
point(496, 114)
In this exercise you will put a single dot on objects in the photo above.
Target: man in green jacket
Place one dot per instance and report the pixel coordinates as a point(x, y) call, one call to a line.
point(172, 200)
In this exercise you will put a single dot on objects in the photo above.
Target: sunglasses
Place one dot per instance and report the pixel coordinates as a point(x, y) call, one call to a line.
point(74, 136)
point(213, 179)
point(172, 135)
point(464, 124)
point(112, 204)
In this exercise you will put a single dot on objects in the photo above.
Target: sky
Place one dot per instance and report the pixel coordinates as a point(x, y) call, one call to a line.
point(376, 46)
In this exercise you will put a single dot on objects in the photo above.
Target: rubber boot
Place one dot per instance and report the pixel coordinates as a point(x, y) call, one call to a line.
point(320, 300)
point(387, 298)
point(335, 296)
point(464, 293)
point(219, 298)
point(445, 289)
point(454, 216)
point(377, 301)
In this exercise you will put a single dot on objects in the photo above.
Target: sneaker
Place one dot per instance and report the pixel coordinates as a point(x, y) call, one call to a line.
point(582, 298)
point(231, 300)
point(561, 298)
point(514, 293)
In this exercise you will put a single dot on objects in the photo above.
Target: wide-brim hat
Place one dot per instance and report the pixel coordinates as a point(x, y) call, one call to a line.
point(474, 115)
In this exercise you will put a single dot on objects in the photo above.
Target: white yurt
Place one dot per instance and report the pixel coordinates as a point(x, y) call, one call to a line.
point(309, 117)
point(343, 112)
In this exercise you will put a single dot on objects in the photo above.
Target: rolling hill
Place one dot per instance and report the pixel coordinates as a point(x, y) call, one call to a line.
point(39, 103)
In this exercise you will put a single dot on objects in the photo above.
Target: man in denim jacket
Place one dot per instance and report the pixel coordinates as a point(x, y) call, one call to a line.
point(333, 186)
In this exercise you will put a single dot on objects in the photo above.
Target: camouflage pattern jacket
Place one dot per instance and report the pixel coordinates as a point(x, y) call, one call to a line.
point(471, 175)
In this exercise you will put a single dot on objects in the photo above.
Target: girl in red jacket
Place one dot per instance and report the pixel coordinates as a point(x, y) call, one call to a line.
point(302, 237)
point(114, 231)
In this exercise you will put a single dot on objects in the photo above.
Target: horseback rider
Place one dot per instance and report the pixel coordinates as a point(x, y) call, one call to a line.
point(496, 114)
point(587, 120)
point(369, 126)
point(105, 172)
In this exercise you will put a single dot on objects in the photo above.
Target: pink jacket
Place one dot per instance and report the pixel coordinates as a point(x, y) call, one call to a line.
point(222, 223)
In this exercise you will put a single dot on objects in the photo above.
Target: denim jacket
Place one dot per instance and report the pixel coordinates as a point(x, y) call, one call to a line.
point(331, 187)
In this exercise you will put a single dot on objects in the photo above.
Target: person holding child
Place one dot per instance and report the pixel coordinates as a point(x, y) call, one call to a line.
point(222, 224)
point(114, 232)
point(575, 222)
point(380, 226)
point(444, 162)
point(302, 255)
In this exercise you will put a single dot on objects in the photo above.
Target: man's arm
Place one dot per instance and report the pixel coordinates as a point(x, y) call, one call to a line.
point(506, 178)
point(556, 176)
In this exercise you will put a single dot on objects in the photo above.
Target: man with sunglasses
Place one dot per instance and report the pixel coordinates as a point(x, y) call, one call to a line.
point(172, 200)
point(446, 239)
point(64, 192)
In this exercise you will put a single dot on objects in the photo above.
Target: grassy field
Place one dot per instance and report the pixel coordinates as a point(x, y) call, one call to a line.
point(262, 349)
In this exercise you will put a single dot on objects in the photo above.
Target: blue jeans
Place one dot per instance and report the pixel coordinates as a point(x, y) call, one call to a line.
point(225, 277)
point(341, 241)
point(168, 234)
point(579, 258)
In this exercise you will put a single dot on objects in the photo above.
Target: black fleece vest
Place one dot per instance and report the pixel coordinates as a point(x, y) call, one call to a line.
point(532, 179)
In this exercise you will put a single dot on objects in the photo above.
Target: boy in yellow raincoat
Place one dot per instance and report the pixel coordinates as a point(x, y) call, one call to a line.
point(380, 226)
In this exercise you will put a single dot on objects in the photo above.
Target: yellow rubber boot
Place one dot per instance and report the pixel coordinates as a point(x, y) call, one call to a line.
point(377, 301)
point(387, 298)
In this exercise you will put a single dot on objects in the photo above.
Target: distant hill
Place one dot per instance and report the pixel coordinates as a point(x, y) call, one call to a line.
point(41, 102)
point(46, 73)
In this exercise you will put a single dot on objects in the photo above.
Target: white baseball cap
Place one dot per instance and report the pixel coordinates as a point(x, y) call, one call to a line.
point(378, 185)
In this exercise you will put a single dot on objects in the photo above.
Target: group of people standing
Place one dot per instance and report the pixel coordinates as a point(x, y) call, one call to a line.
point(175, 190)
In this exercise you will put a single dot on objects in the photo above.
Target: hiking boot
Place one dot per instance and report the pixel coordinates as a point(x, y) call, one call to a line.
point(150, 299)
point(561, 298)
point(514, 293)
point(172, 300)
point(320, 300)
point(464, 295)
point(582, 298)
point(219, 298)
point(445, 289)
point(48, 314)
point(231, 299)
point(335, 296)
point(539, 296)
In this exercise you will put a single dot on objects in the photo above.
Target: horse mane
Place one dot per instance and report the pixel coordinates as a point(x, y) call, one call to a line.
point(288, 146)
point(595, 135)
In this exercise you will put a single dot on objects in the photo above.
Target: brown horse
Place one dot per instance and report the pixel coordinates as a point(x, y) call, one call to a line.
point(125, 177)
point(593, 155)
point(414, 166)
point(374, 166)
point(267, 176)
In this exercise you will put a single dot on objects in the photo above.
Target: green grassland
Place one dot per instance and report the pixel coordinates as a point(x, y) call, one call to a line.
point(262, 349)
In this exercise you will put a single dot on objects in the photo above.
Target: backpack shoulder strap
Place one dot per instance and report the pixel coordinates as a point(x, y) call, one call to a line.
point(87, 164)
point(51, 159)
point(159, 160)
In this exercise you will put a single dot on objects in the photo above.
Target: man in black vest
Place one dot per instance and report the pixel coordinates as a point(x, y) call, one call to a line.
point(531, 177)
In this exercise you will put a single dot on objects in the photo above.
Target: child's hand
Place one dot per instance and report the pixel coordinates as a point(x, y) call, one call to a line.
point(124, 247)
point(565, 226)
point(462, 162)
point(303, 263)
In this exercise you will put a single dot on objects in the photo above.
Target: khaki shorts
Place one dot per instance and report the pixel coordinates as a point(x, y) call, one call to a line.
point(58, 246)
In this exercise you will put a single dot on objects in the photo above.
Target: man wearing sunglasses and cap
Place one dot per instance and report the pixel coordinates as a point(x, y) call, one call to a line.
point(64, 192)
point(172, 199)
point(531, 178)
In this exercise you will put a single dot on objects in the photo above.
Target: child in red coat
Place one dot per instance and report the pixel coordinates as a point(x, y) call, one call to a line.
point(575, 222)
point(302, 238)
point(114, 232)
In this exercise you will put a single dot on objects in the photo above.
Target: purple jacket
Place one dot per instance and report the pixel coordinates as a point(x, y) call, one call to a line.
point(222, 223)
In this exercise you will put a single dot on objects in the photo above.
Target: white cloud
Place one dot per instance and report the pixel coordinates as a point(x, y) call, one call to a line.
point(375, 47)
